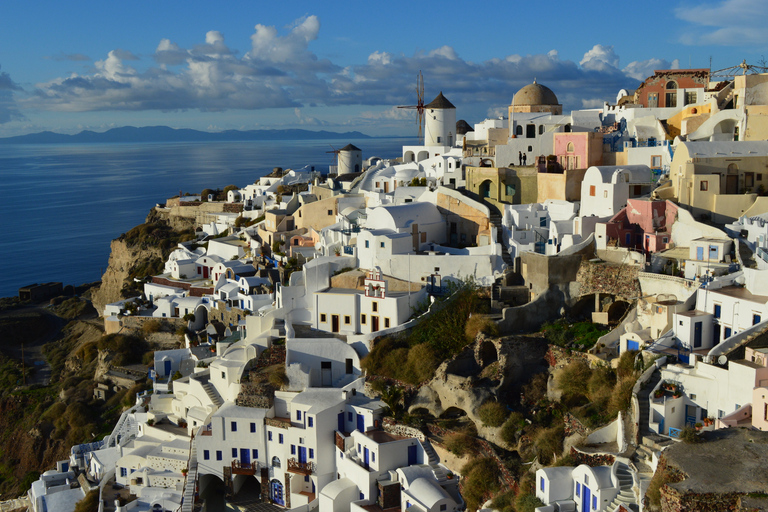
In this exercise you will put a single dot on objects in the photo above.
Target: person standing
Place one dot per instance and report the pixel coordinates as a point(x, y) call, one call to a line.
point(525, 157)
point(520, 157)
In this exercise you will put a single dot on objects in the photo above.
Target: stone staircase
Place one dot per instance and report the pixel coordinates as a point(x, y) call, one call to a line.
point(434, 462)
point(496, 223)
point(188, 499)
point(626, 495)
point(213, 394)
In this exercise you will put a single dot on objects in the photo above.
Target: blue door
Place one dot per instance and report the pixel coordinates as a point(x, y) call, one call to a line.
point(167, 367)
point(302, 454)
point(360, 423)
point(277, 492)
point(366, 458)
point(690, 415)
point(585, 498)
point(700, 253)
point(412, 455)
point(633, 345)
point(341, 422)
point(697, 335)
point(245, 456)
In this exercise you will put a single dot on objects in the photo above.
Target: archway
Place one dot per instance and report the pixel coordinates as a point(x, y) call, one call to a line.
point(485, 189)
point(276, 492)
point(453, 413)
point(246, 488)
point(409, 156)
point(488, 354)
point(617, 310)
point(212, 492)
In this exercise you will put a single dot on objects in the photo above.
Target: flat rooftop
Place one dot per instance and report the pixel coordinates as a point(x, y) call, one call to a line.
point(384, 437)
point(741, 292)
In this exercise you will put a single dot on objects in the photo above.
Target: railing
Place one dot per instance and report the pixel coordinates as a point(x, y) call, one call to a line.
point(302, 468)
point(244, 468)
point(674, 432)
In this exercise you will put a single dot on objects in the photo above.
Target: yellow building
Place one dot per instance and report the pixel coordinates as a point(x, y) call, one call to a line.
point(503, 184)
point(723, 178)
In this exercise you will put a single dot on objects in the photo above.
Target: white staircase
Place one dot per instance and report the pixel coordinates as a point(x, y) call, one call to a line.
point(188, 500)
point(626, 495)
point(213, 394)
point(434, 462)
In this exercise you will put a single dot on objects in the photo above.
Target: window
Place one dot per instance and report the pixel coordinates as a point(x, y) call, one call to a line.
point(269, 435)
point(443, 507)
point(293, 449)
point(234, 453)
point(253, 427)
point(206, 454)
point(386, 323)
point(755, 319)
point(510, 190)
point(690, 97)
point(310, 421)
point(280, 438)
point(374, 306)
point(330, 212)
point(693, 396)
point(594, 502)
point(362, 319)
point(665, 240)
point(311, 453)
point(541, 485)
point(713, 252)
point(718, 310)
point(298, 415)
point(543, 222)
point(349, 416)
point(605, 194)
point(541, 129)
point(592, 190)
point(255, 453)
point(367, 244)
point(569, 147)
point(586, 479)
point(323, 318)
point(656, 162)
point(218, 455)
point(358, 448)
point(381, 245)
point(275, 462)
point(373, 456)
point(123, 472)
point(347, 320)
point(704, 186)
point(234, 426)
point(578, 489)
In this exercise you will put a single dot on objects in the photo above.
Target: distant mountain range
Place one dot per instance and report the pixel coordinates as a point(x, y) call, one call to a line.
point(166, 134)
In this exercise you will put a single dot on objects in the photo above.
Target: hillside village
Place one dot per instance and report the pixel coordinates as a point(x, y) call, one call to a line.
point(646, 219)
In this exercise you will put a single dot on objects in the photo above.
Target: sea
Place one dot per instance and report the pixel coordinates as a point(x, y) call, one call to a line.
point(62, 204)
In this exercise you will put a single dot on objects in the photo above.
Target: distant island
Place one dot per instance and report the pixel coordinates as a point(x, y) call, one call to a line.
point(167, 134)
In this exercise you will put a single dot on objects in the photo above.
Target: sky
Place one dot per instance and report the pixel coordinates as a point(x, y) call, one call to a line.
point(339, 65)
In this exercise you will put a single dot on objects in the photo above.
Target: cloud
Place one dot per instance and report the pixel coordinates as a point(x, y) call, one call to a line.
point(8, 109)
point(280, 70)
point(728, 23)
point(600, 58)
point(642, 69)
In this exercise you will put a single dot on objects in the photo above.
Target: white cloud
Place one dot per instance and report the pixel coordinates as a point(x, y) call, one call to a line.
point(729, 23)
point(8, 109)
point(280, 70)
point(600, 58)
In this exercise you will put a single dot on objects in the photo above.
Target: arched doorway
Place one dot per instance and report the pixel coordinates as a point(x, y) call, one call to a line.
point(212, 492)
point(247, 488)
point(276, 492)
point(671, 96)
point(485, 189)
point(488, 353)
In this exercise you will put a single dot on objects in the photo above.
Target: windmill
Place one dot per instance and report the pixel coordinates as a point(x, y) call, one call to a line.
point(419, 107)
point(335, 158)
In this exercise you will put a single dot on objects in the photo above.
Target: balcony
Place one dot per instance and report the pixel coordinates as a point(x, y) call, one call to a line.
point(243, 468)
point(301, 468)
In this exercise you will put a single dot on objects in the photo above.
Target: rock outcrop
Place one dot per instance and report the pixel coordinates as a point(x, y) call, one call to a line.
point(121, 260)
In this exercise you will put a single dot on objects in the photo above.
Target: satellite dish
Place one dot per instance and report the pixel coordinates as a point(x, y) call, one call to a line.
point(722, 360)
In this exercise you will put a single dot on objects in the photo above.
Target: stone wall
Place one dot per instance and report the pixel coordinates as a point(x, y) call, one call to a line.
point(398, 429)
point(599, 277)
point(592, 460)
point(573, 425)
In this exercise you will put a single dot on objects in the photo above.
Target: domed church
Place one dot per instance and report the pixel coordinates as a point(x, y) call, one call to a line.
point(535, 98)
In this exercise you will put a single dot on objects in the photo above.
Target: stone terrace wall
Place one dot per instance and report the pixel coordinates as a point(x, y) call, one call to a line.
point(619, 280)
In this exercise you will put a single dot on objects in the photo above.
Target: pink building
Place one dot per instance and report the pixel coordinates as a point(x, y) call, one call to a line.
point(579, 150)
point(643, 225)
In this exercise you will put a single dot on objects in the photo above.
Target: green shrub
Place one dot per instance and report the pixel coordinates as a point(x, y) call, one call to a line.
point(514, 424)
point(626, 366)
point(601, 383)
point(690, 435)
point(621, 396)
point(492, 414)
point(277, 376)
point(549, 443)
point(480, 323)
point(527, 503)
point(90, 503)
point(574, 378)
point(481, 478)
point(460, 444)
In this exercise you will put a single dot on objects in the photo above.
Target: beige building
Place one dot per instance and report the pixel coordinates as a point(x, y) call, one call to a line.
point(503, 184)
point(535, 98)
point(723, 178)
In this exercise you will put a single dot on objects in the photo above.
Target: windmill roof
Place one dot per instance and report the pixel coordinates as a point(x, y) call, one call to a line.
point(350, 147)
point(440, 102)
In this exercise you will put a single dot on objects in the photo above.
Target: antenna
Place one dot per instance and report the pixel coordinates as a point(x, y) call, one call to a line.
point(419, 106)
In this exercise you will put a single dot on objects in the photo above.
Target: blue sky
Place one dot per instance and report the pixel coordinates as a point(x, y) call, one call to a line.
point(69, 66)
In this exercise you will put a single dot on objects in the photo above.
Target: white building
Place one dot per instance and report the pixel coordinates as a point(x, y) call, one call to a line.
point(605, 189)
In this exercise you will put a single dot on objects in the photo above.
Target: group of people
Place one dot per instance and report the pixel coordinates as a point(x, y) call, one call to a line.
point(522, 157)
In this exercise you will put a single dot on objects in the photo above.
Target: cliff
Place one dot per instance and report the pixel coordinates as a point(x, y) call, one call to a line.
point(123, 261)
point(141, 252)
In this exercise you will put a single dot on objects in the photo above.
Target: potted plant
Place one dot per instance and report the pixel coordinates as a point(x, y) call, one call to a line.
point(658, 393)
point(698, 426)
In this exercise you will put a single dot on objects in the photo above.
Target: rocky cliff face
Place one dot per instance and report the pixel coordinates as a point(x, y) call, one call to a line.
point(121, 260)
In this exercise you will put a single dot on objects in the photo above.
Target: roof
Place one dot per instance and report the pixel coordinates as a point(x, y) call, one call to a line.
point(535, 94)
point(335, 488)
point(440, 102)
point(350, 147)
point(427, 492)
point(725, 148)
